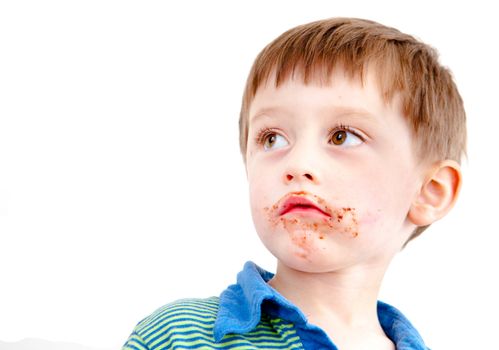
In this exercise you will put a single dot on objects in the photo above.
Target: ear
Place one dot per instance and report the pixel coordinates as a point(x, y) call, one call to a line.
point(438, 193)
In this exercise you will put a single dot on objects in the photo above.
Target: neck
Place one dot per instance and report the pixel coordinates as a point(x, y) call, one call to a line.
point(346, 298)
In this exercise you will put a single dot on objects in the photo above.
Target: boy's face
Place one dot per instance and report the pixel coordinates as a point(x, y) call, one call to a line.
point(332, 173)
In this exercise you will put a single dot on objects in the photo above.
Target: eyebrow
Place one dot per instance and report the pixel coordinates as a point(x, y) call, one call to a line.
point(264, 112)
point(337, 112)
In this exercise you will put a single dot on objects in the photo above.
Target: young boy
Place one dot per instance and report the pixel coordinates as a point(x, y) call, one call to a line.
point(351, 134)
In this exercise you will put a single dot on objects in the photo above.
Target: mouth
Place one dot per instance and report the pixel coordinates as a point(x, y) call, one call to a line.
point(303, 203)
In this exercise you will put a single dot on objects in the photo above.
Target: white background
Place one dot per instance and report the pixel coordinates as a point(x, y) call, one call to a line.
point(121, 183)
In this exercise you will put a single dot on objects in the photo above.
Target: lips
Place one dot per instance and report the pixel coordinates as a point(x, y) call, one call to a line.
point(302, 202)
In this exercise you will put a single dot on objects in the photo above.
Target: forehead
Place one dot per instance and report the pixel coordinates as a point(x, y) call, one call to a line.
point(339, 95)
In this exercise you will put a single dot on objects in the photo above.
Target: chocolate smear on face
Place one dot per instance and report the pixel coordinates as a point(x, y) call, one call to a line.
point(303, 230)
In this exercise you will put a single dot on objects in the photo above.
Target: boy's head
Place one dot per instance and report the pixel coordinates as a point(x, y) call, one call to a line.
point(325, 97)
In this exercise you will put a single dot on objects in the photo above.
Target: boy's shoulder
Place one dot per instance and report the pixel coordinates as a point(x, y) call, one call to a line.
point(181, 311)
point(191, 323)
point(179, 318)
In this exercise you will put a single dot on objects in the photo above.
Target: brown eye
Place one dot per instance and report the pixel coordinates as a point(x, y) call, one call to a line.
point(344, 137)
point(339, 137)
point(270, 140)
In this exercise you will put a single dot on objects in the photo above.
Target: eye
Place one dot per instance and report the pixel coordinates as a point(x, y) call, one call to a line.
point(344, 136)
point(269, 139)
point(274, 140)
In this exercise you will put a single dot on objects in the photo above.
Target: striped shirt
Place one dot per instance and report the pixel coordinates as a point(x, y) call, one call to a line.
point(250, 315)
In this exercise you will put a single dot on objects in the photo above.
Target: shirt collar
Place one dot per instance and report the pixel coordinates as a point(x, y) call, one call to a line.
point(241, 307)
point(241, 304)
point(399, 329)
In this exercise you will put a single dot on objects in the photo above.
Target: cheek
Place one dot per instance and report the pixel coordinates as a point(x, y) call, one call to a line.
point(259, 198)
point(385, 197)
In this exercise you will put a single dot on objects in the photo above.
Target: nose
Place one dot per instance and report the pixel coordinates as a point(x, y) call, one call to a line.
point(290, 176)
point(303, 162)
point(300, 170)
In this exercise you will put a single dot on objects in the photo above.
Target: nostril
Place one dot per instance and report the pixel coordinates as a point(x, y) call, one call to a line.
point(289, 177)
point(308, 176)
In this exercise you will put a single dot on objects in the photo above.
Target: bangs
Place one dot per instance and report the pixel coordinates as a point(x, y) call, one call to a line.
point(313, 52)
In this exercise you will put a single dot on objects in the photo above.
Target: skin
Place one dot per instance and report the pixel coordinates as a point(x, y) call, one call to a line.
point(372, 184)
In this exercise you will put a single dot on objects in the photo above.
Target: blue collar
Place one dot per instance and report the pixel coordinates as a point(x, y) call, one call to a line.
point(241, 307)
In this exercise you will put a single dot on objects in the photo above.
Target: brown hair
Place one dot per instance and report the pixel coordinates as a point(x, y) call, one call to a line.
point(430, 99)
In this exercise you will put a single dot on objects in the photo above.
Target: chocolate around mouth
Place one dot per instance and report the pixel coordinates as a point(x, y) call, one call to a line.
point(312, 234)
point(336, 220)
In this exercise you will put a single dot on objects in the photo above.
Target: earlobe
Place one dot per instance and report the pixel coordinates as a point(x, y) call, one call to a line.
point(438, 193)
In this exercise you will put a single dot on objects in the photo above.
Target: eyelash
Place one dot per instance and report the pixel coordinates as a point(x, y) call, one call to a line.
point(262, 135)
point(265, 131)
point(343, 127)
